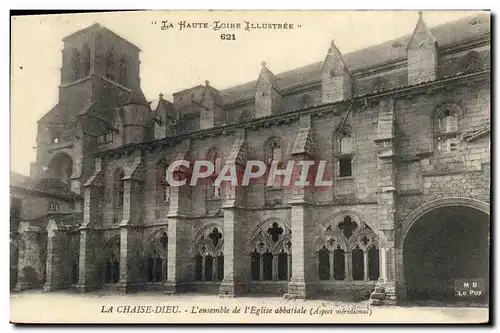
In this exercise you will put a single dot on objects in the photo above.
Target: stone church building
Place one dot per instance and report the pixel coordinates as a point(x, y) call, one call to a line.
point(404, 127)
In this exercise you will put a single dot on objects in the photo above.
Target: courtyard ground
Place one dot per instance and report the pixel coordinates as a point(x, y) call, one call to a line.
point(105, 307)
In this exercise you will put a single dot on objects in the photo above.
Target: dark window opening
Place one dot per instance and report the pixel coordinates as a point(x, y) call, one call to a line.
point(267, 266)
point(282, 266)
point(324, 264)
point(198, 259)
point(255, 266)
point(373, 264)
point(220, 267)
point(209, 263)
point(339, 264)
point(345, 166)
point(358, 264)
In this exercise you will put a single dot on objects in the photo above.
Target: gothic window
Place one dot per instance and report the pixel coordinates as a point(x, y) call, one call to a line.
point(446, 127)
point(122, 71)
point(347, 250)
point(163, 189)
point(85, 66)
point(209, 259)
point(274, 149)
point(305, 101)
point(345, 153)
point(111, 266)
point(110, 65)
point(119, 188)
point(157, 258)
point(345, 143)
point(75, 65)
point(52, 207)
point(274, 154)
point(471, 62)
point(270, 253)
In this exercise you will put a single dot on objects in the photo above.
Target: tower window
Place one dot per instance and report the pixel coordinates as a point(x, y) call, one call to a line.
point(75, 65)
point(110, 65)
point(122, 69)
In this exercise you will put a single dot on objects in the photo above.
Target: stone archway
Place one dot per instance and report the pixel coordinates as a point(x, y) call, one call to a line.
point(444, 241)
point(60, 167)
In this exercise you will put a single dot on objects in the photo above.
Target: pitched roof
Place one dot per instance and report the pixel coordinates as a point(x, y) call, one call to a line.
point(49, 186)
point(445, 34)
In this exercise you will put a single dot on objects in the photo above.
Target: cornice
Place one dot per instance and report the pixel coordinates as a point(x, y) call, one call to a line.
point(429, 87)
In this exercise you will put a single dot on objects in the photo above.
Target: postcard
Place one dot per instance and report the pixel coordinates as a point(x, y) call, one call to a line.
point(250, 167)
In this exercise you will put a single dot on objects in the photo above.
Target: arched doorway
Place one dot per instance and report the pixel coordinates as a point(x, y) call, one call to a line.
point(444, 244)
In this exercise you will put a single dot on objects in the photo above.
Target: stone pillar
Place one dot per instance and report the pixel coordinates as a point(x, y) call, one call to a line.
point(130, 245)
point(348, 266)
point(387, 290)
point(303, 252)
point(235, 254)
point(89, 274)
point(57, 265)
point(89, 266)
point(180, 265)
point(30, 272)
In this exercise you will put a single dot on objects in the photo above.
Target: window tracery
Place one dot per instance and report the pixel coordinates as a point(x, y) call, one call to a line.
point(209, 255)
point(347, 249)
point(271, 253)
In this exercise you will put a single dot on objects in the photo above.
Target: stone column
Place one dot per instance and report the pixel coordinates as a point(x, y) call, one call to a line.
point(348, 266)
point(89, 274)
point(29, 273)
point(130, 245)
point(235, 253)
point(57, 265)
point(303, 252)
point(235, 256)
point(275, 267)
point(89, 266)
point(388, 288)
point(180, 265)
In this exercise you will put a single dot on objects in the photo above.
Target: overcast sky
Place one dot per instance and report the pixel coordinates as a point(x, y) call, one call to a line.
point(173, 60)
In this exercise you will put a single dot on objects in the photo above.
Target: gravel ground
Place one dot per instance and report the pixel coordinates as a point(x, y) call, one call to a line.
point(66, 307)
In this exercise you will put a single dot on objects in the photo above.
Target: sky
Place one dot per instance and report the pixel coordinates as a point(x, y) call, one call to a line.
point(173, 59)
